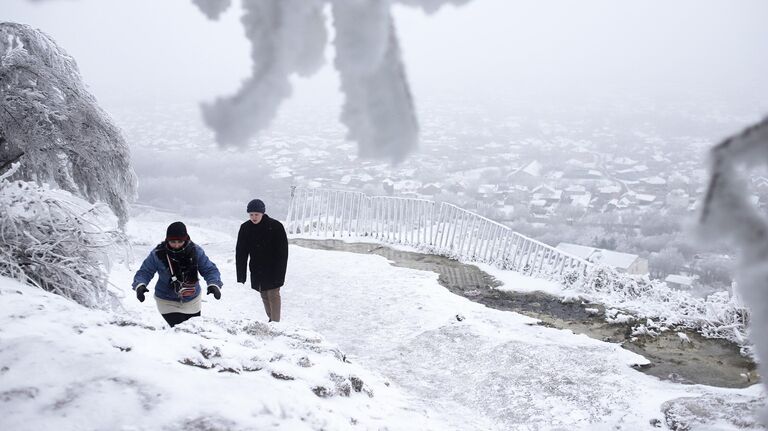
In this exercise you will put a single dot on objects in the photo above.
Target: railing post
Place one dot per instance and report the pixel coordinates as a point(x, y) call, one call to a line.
point(311, 209)
point(445, 232)
point(539, 259)
point(486, 240)
point(559, 264)
point(508, 237)
point(475, 236)
point(453, 225)
point(343, 213)
point(545, 256)
point(491, 249)
point(400, 220)
point(524, 245)
point(421, 231)
point(390, 218)
point(304, 210)
point(289, 216)
point(440, 228)
point(431, 221)
point(359, 214)
point(362, 214)
point(375, 218)
point(413, 225)
point(513, 250)
point(352, 212)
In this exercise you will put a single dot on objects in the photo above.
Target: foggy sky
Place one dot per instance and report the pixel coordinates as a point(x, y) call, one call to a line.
point(148, 50)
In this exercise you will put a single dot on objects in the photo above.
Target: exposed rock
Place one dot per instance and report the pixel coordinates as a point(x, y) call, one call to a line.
point(304, 362)
point(281, 376)
point(206, 423)
point(208, 353)
point(357, 383)
point(194, 363)
point(15, 394)
point(322, 392)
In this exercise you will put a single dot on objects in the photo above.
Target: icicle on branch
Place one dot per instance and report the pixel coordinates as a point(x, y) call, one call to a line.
point(212, 8)
point(378, 110)
point(289, 37)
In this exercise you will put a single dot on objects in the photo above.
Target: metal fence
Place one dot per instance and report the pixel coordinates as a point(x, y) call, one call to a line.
point(442, 229)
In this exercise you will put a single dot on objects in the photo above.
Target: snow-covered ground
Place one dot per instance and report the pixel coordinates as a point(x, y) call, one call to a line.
point(362, 345)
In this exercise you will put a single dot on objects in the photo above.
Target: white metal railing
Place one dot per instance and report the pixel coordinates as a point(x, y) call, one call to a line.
point(443, 229)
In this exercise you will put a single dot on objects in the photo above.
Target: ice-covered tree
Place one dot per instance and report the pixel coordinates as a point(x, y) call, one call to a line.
point(53, 126)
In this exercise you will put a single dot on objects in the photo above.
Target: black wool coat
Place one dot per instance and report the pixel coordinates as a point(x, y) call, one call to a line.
point(266, 246)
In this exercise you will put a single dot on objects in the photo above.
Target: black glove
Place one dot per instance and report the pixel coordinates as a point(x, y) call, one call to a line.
point(215, 290)
point(140, 291)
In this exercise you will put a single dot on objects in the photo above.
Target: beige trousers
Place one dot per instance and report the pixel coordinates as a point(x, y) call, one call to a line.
point(165, 306)
point(271, 300)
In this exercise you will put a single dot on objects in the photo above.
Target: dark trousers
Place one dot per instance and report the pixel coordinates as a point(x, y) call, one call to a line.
point(271, 300)
point(174, 319)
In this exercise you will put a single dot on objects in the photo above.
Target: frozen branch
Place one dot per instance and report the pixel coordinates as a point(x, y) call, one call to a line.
point(728, 215)
point(288, 37)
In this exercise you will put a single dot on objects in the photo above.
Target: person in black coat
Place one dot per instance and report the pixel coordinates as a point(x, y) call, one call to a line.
point(262, 239)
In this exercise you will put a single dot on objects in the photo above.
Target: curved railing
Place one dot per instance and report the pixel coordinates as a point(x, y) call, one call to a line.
point(443, 229)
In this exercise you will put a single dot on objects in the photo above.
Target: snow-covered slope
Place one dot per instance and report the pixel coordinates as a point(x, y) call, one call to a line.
point(69, 368)
point(397, 351)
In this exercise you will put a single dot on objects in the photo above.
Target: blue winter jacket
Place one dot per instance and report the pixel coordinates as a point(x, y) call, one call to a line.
point(163, 290)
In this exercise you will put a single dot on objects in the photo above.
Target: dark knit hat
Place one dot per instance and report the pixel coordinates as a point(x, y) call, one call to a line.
point(176, 230)
point(256, 206)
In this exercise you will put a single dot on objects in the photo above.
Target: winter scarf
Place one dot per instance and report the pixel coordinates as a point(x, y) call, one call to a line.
point(182, 264)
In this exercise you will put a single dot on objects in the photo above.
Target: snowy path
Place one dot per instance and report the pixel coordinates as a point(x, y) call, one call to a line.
point(490, 365)
point(489, 370)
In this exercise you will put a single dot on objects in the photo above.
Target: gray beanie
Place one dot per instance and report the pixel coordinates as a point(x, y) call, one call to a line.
point(256, 206)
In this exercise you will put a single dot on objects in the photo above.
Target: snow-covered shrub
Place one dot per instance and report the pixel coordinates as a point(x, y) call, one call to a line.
point(570, 278)
point(717, 316)
point(54, 127)
point(56, 241)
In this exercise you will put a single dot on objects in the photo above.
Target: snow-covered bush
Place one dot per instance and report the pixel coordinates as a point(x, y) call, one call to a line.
point(54, 127)
point(717, 316)
point(56, 241)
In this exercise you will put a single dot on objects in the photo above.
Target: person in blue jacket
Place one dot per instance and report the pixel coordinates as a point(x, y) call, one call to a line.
point(177, 262)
